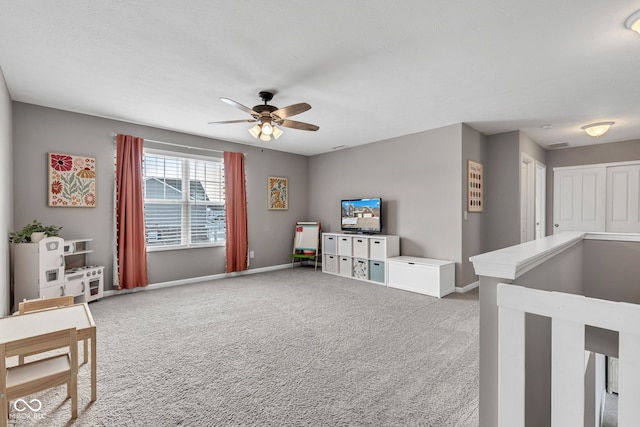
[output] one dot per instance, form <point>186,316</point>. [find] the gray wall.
<point>474,147</point>
<point>502,196</point>
<point>502,191</point>
<point>587,155</point>
<point>530,147</point>
<point>39,130</point>
<point>611,270</point>
<point>6,190</point>
<point>419,178</point>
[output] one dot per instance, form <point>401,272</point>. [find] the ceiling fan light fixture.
<point>268,119</point>
<point>633,22</point>
<point>267,129</point>
<point>277,132</point>
<point>597,129</point>
<point>255,131</point>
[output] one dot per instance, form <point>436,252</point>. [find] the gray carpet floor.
<point>291,347</point>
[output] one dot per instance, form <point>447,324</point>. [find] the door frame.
<point>541,200</point>
<point>527,197</point>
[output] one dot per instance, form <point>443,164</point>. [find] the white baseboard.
<point>467,288</point>
<point>191,280</point>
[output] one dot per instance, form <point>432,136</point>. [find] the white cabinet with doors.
<point>623,215</point>
<point>603,197</point>
<point>579,196</point>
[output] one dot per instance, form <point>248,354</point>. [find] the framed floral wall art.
<point>278,193</point>
<point>72,180</point>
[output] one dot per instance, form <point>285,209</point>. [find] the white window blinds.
<point>183,200</point>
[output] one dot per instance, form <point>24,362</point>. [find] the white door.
<point>579,199</point>
<point>622,199</point>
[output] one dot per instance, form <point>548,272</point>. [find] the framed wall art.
<point>72,180</point>
<point>278,193</point>
<point>475,187</point>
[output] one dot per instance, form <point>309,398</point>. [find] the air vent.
<point>558,145</point>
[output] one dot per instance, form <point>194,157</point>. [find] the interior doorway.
<point>527,198</point>
<point>532,198</point>
<point>541,197</point>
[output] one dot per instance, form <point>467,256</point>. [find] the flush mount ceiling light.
<point>597,129</point>
<point>633,22</point>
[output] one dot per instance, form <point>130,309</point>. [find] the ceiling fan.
<point>268,117</point>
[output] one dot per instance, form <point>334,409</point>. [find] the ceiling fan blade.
<point>239,106</point>
<point>297,125</point>
<point>232,121</point>
<point>292,110</point>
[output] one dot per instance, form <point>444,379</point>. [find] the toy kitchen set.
<point>56,267</point>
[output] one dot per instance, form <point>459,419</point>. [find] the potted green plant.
<point>34,231</point>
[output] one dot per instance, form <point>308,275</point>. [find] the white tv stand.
<point>359,256</point>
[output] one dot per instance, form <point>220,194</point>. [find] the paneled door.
<point>579,199</point>
<point>623,192</point>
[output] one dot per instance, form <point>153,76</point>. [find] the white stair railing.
<point>569,314</point>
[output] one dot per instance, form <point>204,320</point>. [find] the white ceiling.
<point>371,70</point>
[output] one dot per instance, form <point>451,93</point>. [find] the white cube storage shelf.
<point>359,256</point>
<point>376,259</point>
<point>427,276</point>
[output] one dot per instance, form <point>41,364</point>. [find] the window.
<point>183,200</point>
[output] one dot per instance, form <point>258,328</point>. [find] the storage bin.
<point>345,266</point>
<point>330,244</point>
<point>360,269</point>
<point>344,245</point>
<point>377,249</point>
<point>360,247</point>
<point>330,263</point>
<point>376,271</point>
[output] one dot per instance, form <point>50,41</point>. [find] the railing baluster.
<point>567,374</point>
<point>511,367</point>
<point>569,314</point>
<point>629,380</point>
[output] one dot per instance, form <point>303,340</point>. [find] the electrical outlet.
<point>252,254</point>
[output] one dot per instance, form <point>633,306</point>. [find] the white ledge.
<point>512,262</point>
<point>620,237</point>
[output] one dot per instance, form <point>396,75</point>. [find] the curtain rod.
<point>113,134</point>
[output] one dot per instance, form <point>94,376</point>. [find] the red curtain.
<point>236,207</point>
<point>131,246</point>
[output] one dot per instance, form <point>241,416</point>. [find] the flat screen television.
<point>361,215</point>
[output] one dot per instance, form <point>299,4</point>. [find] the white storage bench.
<point>427,276</point>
